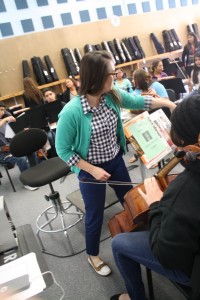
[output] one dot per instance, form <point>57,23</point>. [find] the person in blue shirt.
<point>121,82</point>
<point>144,85</point>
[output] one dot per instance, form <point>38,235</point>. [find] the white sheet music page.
<point>26,264</point>
<point>9,133</point>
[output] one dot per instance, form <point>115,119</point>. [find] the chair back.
<point>27,141</point>
<point>171,94</point>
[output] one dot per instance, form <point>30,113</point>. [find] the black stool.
<point>26,143</point>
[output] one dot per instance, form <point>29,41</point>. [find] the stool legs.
<point>57,210</point>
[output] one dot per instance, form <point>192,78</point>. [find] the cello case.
<point>126,52</point>
<point>77,55</point>
<point>98,47</point>
<point>89,48</point>
<point>196,29</point>
<point>114,52</point>
<point>25,69</point>
<point>51,68</point>
<point>159,47</point>
<point>134,48</point>
<point>37,69</point>
<point>173,32</point>
<point>74,60</point>
<point>137,42</point>
<point>128,47</point>
<point>47,76</point>
<point>107,48</point>
<point>69,64</point>
<point>173,40</point>
<point>119,50</point>
<point>169,46</point>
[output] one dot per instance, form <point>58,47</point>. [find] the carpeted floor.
<point>74,273</point>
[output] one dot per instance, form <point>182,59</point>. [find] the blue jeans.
<point>21,162</point>
<point>131,250</point>
<point>94,199</point>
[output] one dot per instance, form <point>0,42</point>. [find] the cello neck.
<point>162,173</point>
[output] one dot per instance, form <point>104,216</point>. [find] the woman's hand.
<point>153,191</point>
<point>10,119</point>
<point>99,174</point>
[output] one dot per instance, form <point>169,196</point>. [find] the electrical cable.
<point>70,255</point>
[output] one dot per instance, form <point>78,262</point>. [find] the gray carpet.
<point>74,273</point>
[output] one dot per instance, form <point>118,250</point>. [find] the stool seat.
<point>45,172</point>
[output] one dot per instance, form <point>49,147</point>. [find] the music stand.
<point>175,84</point>
<point>52,109</point>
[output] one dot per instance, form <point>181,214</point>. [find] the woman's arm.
<point>96,172</point>
<point>6,120</point>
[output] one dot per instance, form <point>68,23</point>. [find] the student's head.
<point>2,109</point>
<point>185,124</point>
<point>49,95</point>
<point>157,66</point>
<point>119,73</point>
<point>70,82</point>
<point>96,73</point>
<point>192,38</point>
<point>197,59</point>
<point>141,79</point>
<point>28,83</point>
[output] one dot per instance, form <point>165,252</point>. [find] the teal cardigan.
<point>74,129</point>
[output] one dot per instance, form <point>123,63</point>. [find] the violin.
<point>135,213</point>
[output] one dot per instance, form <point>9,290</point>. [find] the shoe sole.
<point>98,272</point>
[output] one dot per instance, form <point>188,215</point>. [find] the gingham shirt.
<point>103,144</point>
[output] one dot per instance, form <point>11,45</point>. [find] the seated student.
<point>32,95</point>
<point>121,82</point>
<point>195,74</point>
<point>171,245</point>
<point>5,155</point>
<point>157,70</point>
<point>145,85</point>
<point>50,96</point>
<point>71,91</point>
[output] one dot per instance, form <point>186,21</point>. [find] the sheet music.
<point>9,133</point>
<point>26,264</point>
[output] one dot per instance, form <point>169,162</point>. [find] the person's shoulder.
<point>72,105</point>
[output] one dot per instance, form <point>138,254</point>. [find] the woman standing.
<point>90,138</point>
<point>71,91</point>
<point>121,82</point>
<point>192,46</point>
<point>32,95</point>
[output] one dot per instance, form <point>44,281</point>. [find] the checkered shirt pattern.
<point>103,144</point>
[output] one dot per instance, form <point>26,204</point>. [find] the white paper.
<point>9,133</point>
<point>26,264</point>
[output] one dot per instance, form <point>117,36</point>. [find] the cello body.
<point>135,213</point>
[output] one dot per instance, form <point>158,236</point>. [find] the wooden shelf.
<point>131,63</point>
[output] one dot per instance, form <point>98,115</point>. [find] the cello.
<point>135,213</point>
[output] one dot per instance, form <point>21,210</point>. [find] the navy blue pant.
<point>94,199</point>
<point>131,250</point>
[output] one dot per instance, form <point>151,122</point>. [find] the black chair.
<point>25,143</point>
<point>7,167</point>
<point>171,95</point>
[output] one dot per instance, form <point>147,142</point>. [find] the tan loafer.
<point>102,269</point>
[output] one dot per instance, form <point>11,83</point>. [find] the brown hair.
<point>31,91</point>
<point>142,79</point>
<point>94,70</point>
<point>155,64</point>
